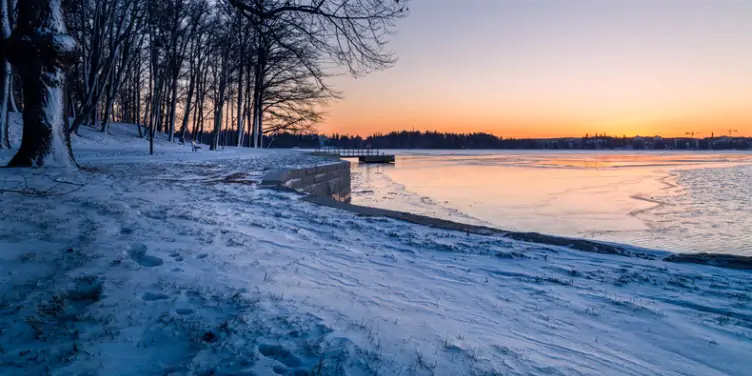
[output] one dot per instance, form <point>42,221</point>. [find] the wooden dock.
<point>363,155</point>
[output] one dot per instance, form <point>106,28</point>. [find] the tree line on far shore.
<point>440,140</point>
<point>181,68</point>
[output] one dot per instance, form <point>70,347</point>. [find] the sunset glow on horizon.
<point>548,68</point>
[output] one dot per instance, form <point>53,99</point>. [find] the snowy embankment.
<point>175,264</point>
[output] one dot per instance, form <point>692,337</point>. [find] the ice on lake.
<point>684,202</point>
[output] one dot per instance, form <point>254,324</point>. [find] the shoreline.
<point>721,260</point>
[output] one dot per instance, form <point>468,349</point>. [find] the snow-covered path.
<point>158,268</point>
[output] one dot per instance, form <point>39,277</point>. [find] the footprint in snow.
<point>183,311</point>
<point>152,296</point>
<point>280,354</point>
<point>137,252</point>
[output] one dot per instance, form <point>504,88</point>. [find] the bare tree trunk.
<point>247,108</point>
<point>229,122</point>
<point>154,118</point>
<point>260,122</point>
<point>173,102</point>
<point>156,107</point>
<point>137,89</point>
<point>43,49</point>
<point>220,102</point>
<point>240,95</point>
<point>187,110</point>
<point>257,77</point>
<point>165,107</point>
<point>108,101</point>
<point>154,88</point>
<point>199,102</point>
<point>258,110</point>
<point>201,121</point>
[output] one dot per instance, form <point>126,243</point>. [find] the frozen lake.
<point>697,202</point>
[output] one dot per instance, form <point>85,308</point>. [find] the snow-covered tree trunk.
<point>42,49</point>
<point>12,98</point>
<point>187,110</point>
<point>5,75</point>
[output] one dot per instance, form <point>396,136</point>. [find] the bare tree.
<point>101,28</point>
<point>290,83</point>
<point>221,72</point>
<point>124,50</point>
<point>351,33</point>
<point>196,57</point>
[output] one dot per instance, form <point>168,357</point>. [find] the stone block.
<point>323,169</point>
<point>322,177</point>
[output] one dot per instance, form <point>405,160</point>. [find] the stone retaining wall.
<point>330,180</point>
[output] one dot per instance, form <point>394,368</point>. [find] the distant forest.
<point>439,140</point>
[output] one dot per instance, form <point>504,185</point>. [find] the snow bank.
<point>153,265</point>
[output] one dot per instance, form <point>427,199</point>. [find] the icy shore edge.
<point>585,245</point>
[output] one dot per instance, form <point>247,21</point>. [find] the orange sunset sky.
<point>551,68</point>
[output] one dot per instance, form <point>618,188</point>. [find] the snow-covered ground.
<point>179,264</point>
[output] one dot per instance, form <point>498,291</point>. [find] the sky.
<point>555,68</point>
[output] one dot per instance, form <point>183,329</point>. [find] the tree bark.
<point>173,102</point>
<point>256,100</point>
<point>137,89</point>
<point>221,99</point>
<point>187,109</point>
<point>260,122</point>
<point>199,101</point>
<point>109,99</point>
<point>42,50</point>
<point>12,97</point>
<point>5,75</point>
<point>240,93</point>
